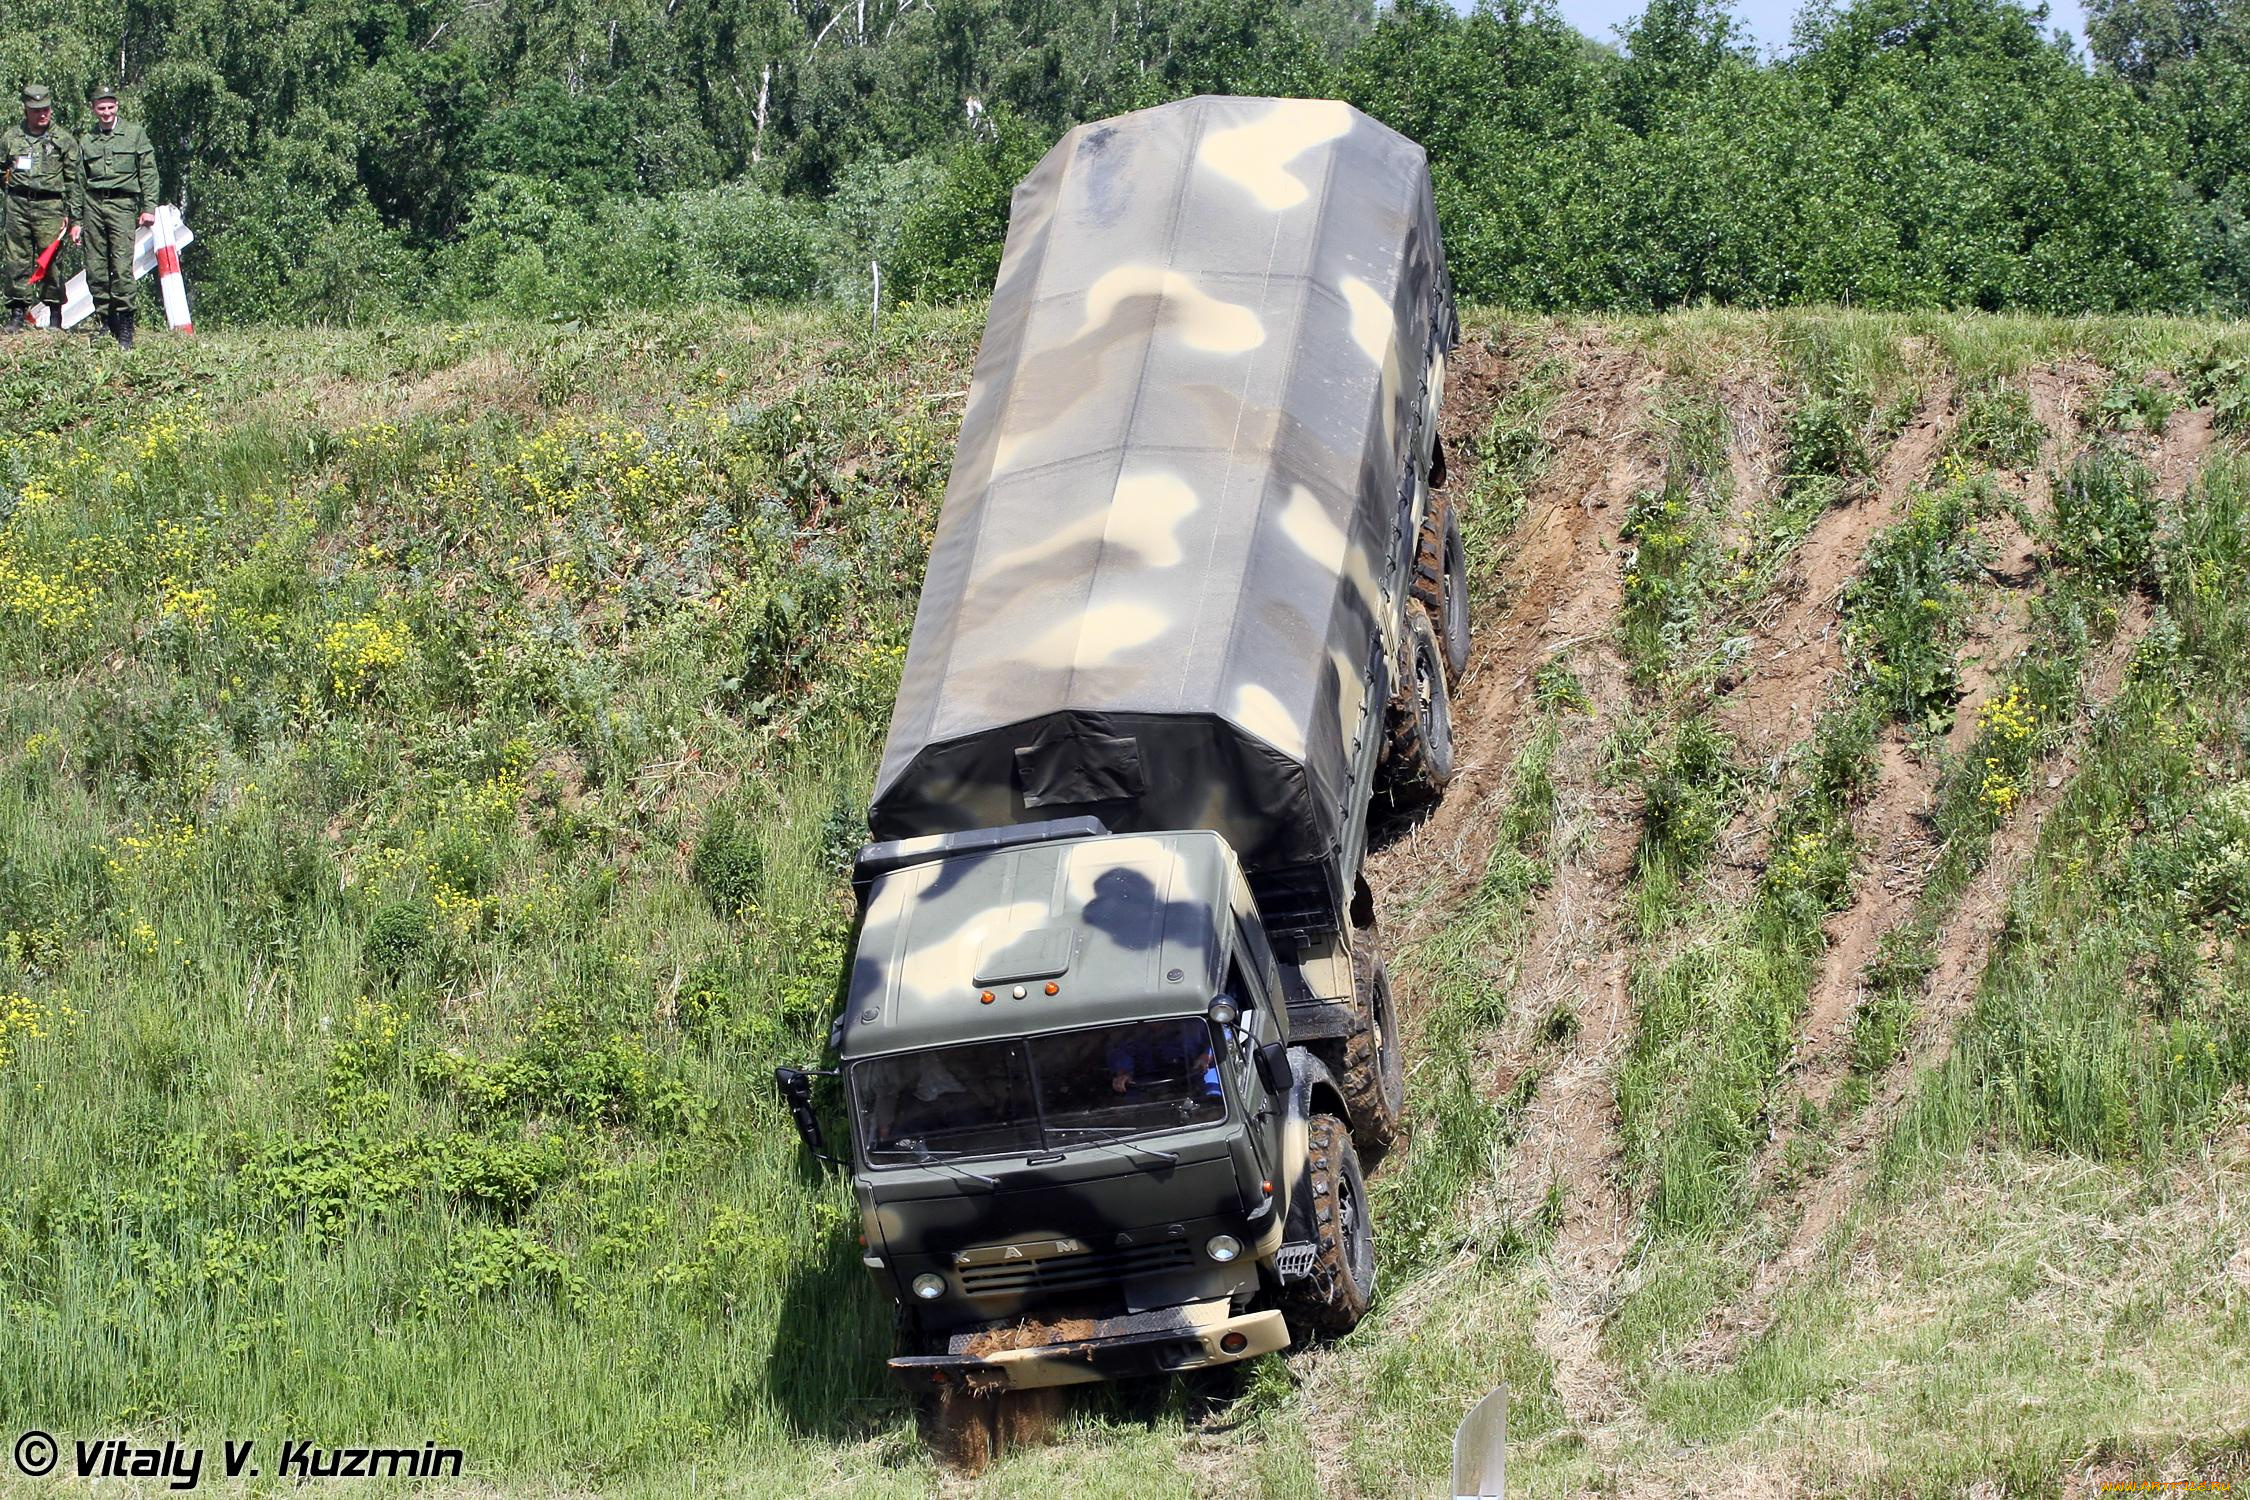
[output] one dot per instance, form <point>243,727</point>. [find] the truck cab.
<point>1078,1129</point>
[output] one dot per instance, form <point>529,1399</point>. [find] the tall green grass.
<point>2112,1019</point>
<point>422,836</point>
<point>426,762</point>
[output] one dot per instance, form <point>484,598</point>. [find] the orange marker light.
<point>1054,989</point>
<point>985,998</point>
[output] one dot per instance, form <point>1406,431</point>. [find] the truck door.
<point>1259,1026</point>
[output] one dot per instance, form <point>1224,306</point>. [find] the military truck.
<point>1117,1037</point>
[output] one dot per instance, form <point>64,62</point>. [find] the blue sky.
<point>1769,20</point>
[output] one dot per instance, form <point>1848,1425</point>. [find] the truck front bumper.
<point>1030,1355</point>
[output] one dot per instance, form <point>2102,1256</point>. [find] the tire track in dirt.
<point>1965,937</point>
<point>1571,956</point>
<point>1571,1142</point>
<point>1562,592</point>
<point>1964,943</point>
<point>1795,652</point>
<point>1894,828</point>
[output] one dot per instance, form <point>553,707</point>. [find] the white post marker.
<point>1480,1450</point>
<point>168,277</point>
<point>144,243</point>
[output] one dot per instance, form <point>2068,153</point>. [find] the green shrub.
<point>2224,386</point>
<point>2133,404</point>
<point>1687,792</point>
<point>730,863</point>
<point>1999,427</point>
<point>949,245</point>
<point>1903,610</point>
<point>401,937</point>
<point>1825,438</point>
<point>2104,522</point>
<point>1665,575</point>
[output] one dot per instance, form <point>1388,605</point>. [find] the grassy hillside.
<point>428,759</point>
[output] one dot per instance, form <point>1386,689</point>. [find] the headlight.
<point>1223,1248</point>
<point>1224,1012</point>
<point>928,1287</point>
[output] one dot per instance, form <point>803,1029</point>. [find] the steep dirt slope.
<point>1560,600</point>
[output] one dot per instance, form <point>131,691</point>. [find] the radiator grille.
<point>1063,1273</point>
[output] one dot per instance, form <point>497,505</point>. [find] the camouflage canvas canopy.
<point>1158,582</point>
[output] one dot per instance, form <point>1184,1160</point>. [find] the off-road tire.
<point>1337,1292</point>
<point>1441,580</point>
<point>1374,1063</point>
<point>1418,760</point>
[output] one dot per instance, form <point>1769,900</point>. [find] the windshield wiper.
<point>925,1157</point>
<point>1115,1135</point>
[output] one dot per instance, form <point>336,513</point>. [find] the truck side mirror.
<point>1272,1063</point>
<point>796,1092</point>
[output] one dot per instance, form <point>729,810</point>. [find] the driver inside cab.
<point>1148,1056</point>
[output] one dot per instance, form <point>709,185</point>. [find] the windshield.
<point>1039,1093</point>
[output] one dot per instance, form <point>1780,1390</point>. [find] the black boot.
<point>17,321</point>
<point>124,329</point>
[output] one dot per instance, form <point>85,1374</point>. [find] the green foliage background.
<point>346,162</point>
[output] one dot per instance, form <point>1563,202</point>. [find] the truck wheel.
<point>1374,1061</point>
<point>1441,580</point>
<point>1420,759</point>
<point>1336,1293</point>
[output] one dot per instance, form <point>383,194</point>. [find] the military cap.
<point>106,91</point>
<point>38,96</point>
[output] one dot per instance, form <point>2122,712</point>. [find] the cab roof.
<point>1125,927</point>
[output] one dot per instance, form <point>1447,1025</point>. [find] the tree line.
<point>349,161</point>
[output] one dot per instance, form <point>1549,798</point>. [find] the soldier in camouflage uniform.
<point>117,167</point>
<point>45,198</point>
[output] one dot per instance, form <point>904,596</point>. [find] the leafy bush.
<point>730,863</point>
<point>2104,523</point>
<point>525,249</point>
<point>1665,573</point>
<point>1825,438</point>
<point>1686,794</point>
<point>401,936</point>
<point>2224,386</point>
<point>949,245</point>
<point>2133,403</point>
<point>1903,610</point>
<point>1999,427</point>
